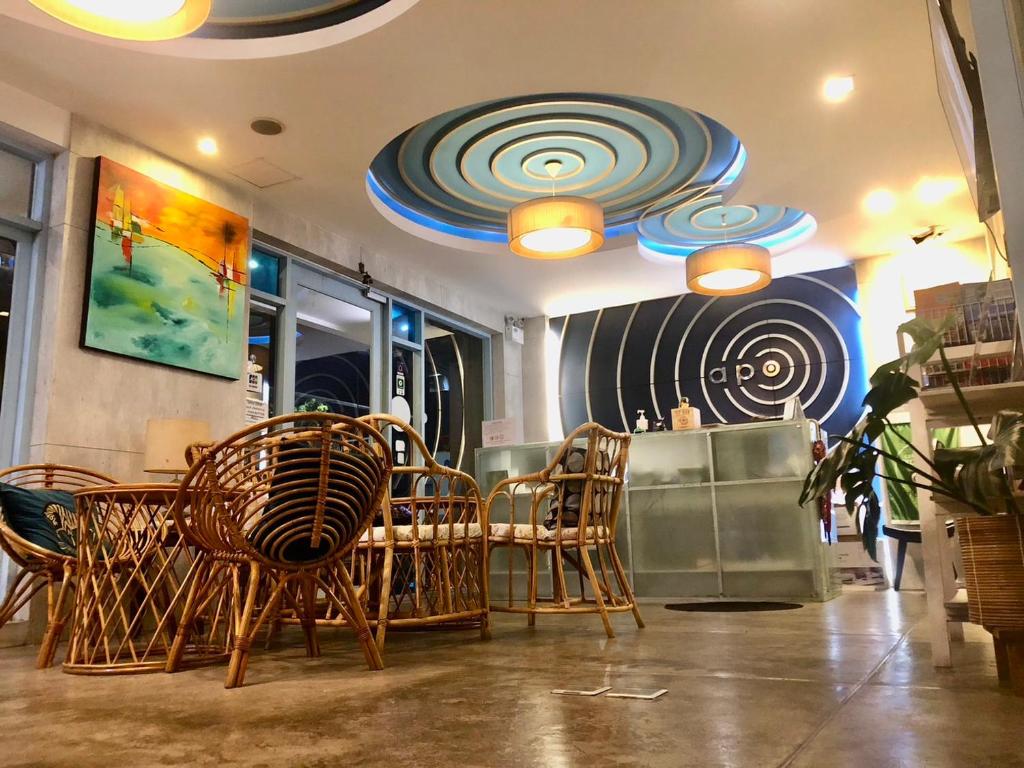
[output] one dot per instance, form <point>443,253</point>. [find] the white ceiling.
<point>755,65</point>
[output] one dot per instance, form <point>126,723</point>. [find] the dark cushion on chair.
<point>41,517</point>
<point>284,532</point>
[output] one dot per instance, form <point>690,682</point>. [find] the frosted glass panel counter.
<point>709,512</point>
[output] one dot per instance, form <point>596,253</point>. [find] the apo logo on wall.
<point>736,358</point>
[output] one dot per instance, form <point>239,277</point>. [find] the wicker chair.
<point>585,479</point>
<point>269,510</point>
<point>40,567</point>
<point>425,560</point>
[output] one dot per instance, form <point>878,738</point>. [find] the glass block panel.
<point>265,272</point>
<point>763,531</point>
<point>758,454</point>
<point>16,176</point>
<point>673,541</point>
<point>664,458</point>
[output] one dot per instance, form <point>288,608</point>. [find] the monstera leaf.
<point>927,336</point>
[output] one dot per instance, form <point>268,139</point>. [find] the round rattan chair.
<point>42,567</point>
<point>269,509</point>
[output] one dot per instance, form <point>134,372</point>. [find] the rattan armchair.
<point>578,494</point>
<point>425,559</point>
<point>41,567</point>
<point>269,510</point>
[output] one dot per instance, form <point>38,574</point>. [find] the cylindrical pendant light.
<point>728,269</point>
<point>558,227</point>
<point>130,19</point>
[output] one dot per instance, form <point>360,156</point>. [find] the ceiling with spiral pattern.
<point>272,18</point>
<point>652,165</point>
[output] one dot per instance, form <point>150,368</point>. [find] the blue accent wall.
<point>736,358</point>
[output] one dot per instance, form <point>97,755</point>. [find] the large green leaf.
<point>1007,439</point>
<point>927,336</point>
<point>891,389</point>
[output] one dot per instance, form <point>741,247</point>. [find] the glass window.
<point>332,354</point>
<point>265,272</point>
<point>16,176</point>
<point>454,397</point>
<point>262,346</point>
<point>7,250</point>
<point>403,323</point>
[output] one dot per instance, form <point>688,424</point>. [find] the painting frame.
<point>166,277</point>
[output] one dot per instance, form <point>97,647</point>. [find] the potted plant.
<point>981,478</point>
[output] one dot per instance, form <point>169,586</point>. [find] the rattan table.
<point>133,574</point>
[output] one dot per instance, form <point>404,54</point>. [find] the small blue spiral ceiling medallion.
<point>672,230</point>
<point>656,169</point>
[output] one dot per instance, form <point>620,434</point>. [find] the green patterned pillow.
<point>45,518</point>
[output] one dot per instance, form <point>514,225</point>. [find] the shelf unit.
<point>708,512</point>
<point>938,408</point>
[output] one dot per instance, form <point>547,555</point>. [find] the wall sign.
<point>736,358</point>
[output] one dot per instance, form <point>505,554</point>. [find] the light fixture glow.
<point>557,227</point>
<point>879,202</point>
<point>728,269</point>
<point>144,20</point>
<point>556,239</point>
<point>207,145</point>
<point>932,191</point>
<point>838,88</point>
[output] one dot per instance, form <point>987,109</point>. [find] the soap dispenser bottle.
<point>641,421</point>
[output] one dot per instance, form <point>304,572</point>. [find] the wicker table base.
<point>134,571</point>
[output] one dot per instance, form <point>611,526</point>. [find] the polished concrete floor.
<point>848,683</point>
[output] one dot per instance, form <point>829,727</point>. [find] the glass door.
<point>336,358</point>
<point>15,309</point>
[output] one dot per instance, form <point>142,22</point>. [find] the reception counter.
<point>708,512</point>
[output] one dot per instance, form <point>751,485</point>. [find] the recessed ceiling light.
<point>932,191</point>
<point>838,88</point>
<point>266,126</point>
<point>207,145</point>
<point>879,202</point>
<point>130,19</point>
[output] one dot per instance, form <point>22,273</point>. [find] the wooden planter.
<point>993,556</point>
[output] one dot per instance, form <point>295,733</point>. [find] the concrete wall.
<point>91,408</point>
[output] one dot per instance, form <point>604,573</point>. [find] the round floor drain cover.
<point>732,606</point>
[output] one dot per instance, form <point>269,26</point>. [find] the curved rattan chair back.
<point>429,493</point>
<point>587,475</point>
<point>293,492</point>
<point>56,477</point>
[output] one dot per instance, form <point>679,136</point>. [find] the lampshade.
<point>728,269</point>
<point>130,19</point>
<point>558,227</point>
<point>166,441</point>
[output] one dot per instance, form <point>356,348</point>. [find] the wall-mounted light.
<point>130,19</point>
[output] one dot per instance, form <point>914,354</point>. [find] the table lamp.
<point>166,441</point>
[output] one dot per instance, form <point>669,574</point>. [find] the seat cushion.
<point>42,517</point>
<point>526,532</point>
<point>426,532</point>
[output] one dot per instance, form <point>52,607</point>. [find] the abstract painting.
<point>167,275</point>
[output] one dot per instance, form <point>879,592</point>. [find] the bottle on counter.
<point>641,421</point>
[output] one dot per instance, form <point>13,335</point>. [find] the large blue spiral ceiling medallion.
<point>659,171</point>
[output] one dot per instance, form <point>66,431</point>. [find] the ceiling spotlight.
<point>838,88</point>
<point>879,202</point>
<point>267,126</point>
<point>130,19</point>
<point>932,191</point>
<point>207,145</point>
